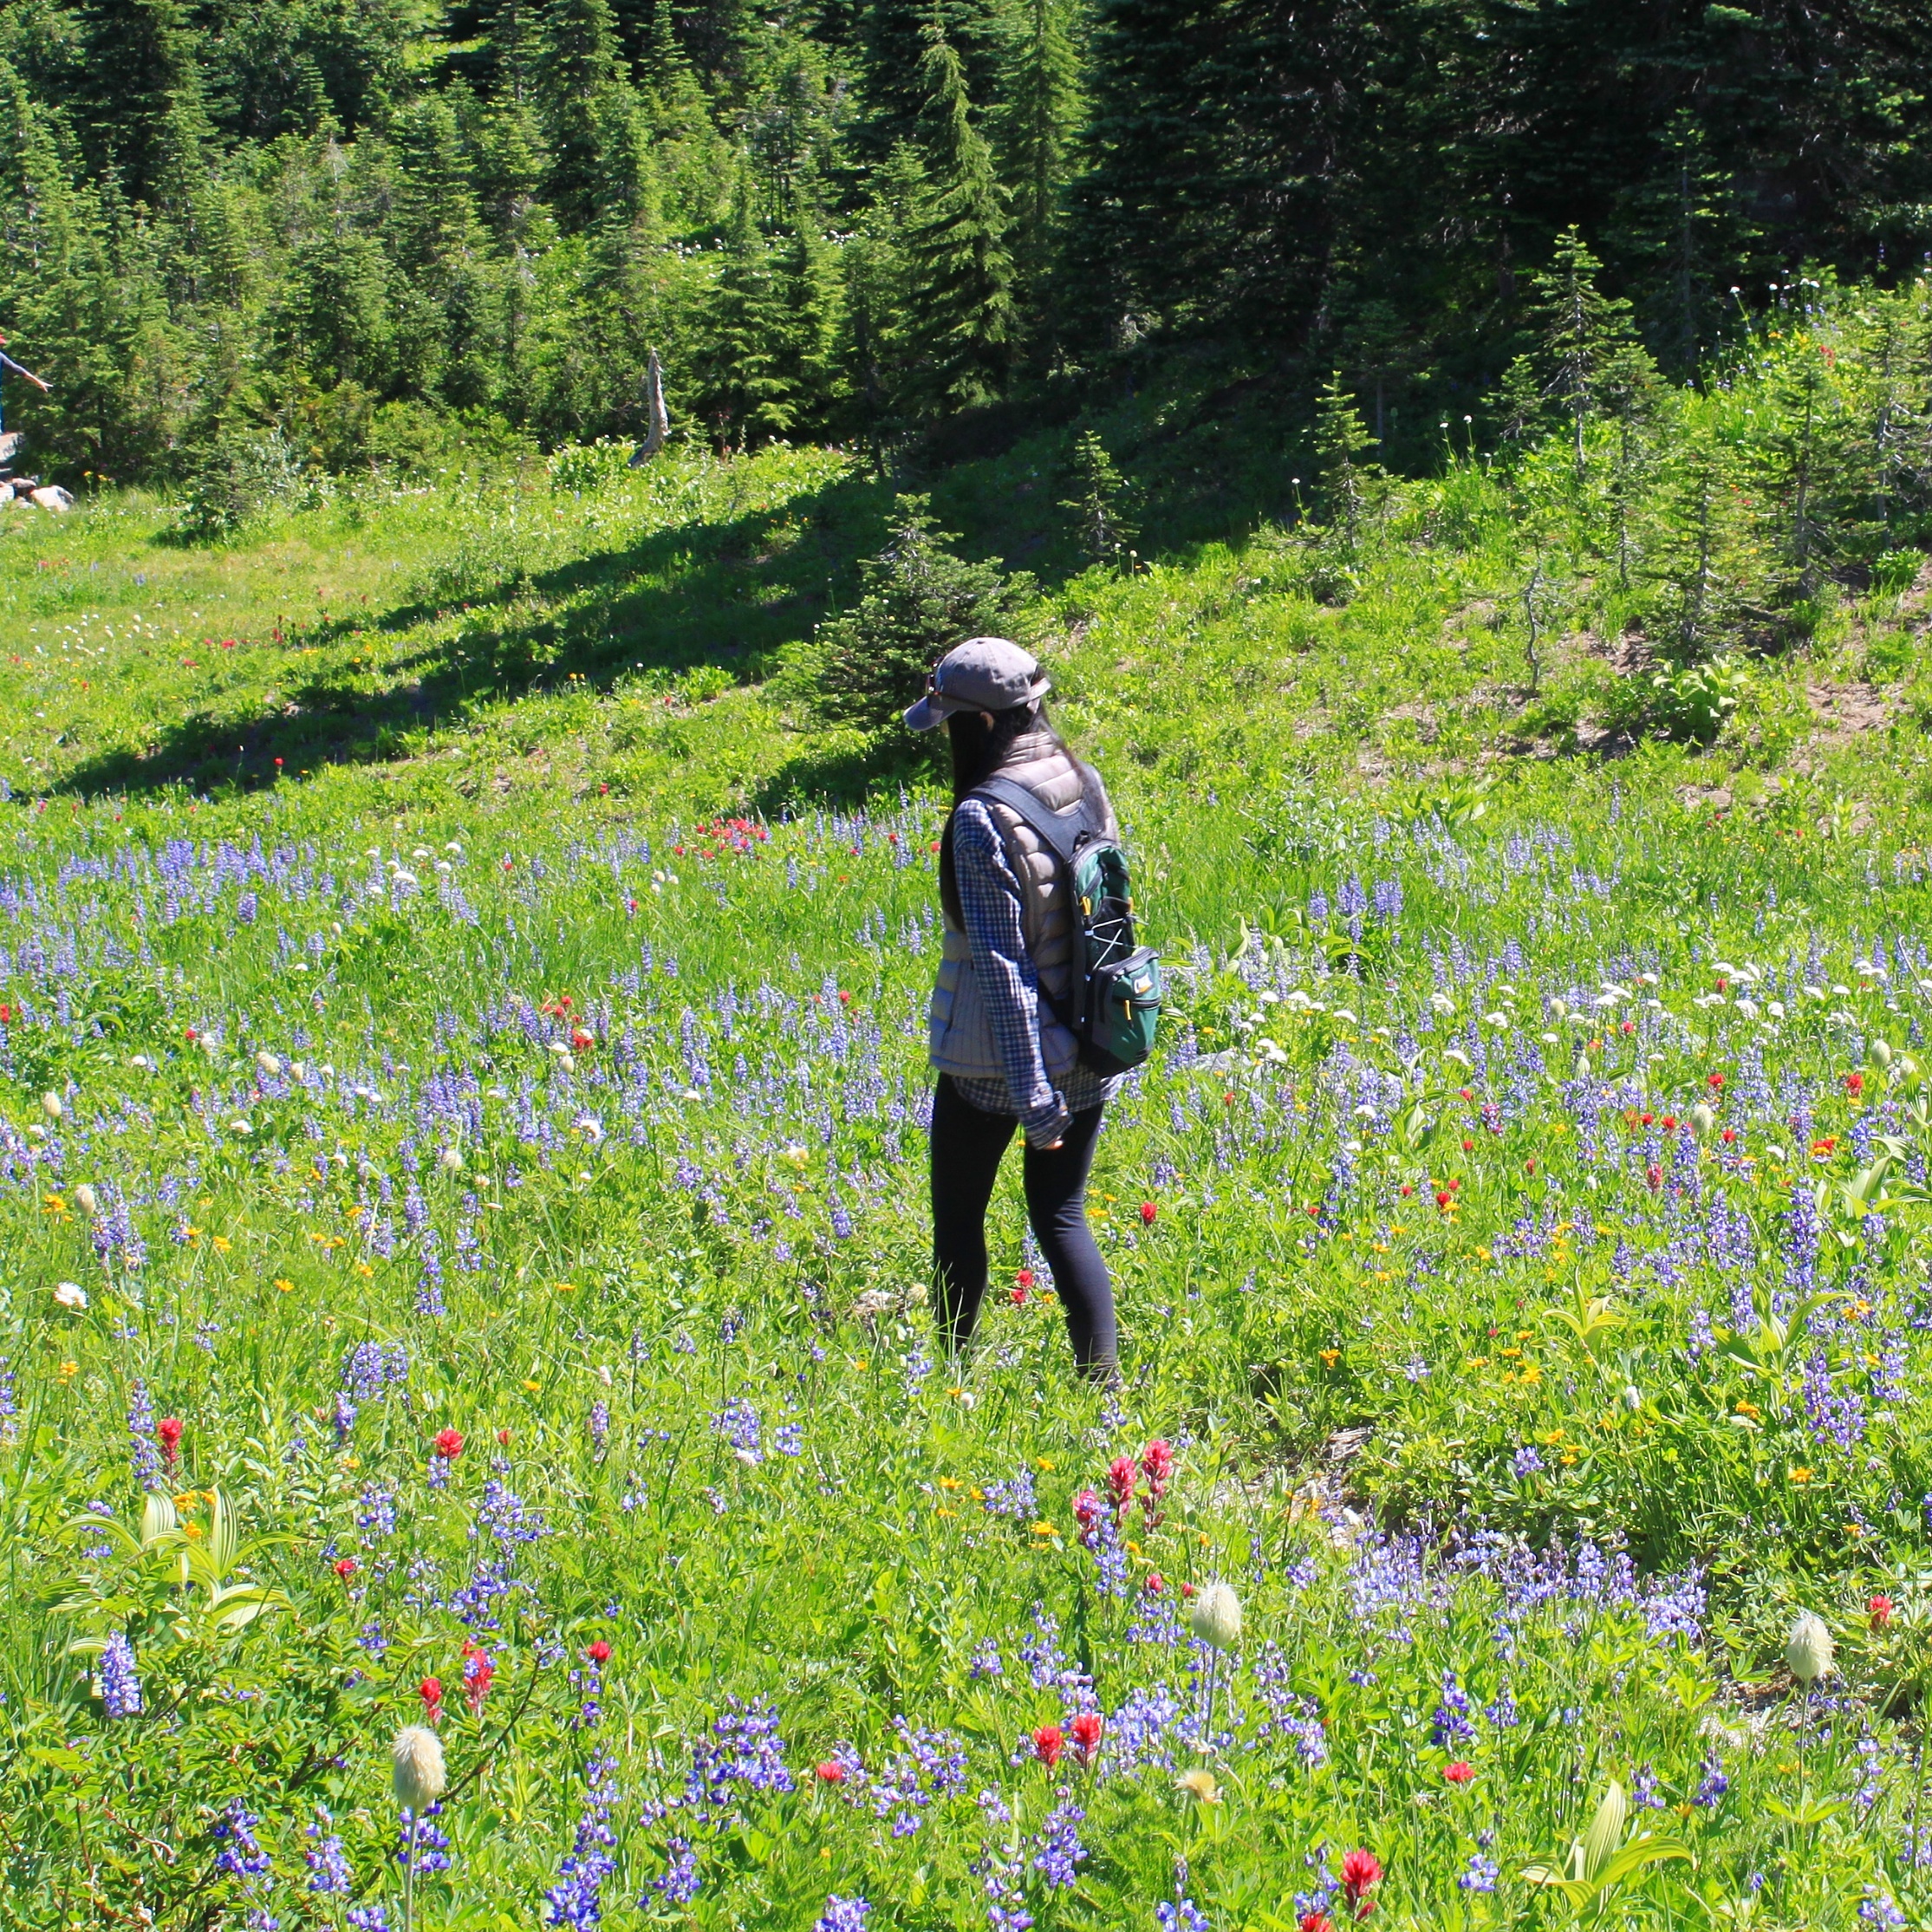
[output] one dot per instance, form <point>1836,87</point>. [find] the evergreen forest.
<point>326,235</point>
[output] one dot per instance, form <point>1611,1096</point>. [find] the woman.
<point>1002,1054</point>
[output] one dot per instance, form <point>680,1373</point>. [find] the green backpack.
<point>1116,984</point>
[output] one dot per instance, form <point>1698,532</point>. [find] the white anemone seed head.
<point>1216,1617</point>
<point>1703,1120</point>
<point>416,1768</point>
<point>50,1105</point>
<point>84,1200</point>
<point>70,1294</point>
<point>269,1064</point>
<point>1808,1649</point>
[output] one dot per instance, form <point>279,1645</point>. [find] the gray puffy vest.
<point>959,1033</point>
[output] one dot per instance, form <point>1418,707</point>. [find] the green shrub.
<point>580,467</point>
<point>917,600</point>
<point>244,473</point>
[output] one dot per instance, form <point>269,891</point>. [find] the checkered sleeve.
<point>990,903</point>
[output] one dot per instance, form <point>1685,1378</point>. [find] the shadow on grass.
<point>729,594</point>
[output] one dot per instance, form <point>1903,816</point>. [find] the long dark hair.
<point>979,749</point>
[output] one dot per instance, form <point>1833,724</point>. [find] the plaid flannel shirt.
<point>990,904</point>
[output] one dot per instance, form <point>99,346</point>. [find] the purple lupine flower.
<point>1451,1722</point>
<point>600,1426</point>
<point>1481,1875</point>
<point>1801,1237</point>
<point>121,1684</point>
<point>329,1871</point>
<point>1714,1785</point>
<point>737,1423</point>
<point>421,1844</point>
<point>1180,1914</point>
<point>985,1662</point>
<point>576,1898</point>
<point>1015,1499</point>
<point>677,1884</point>
<point>1060,1852</point>
<point>1139,1733</point>
<point>1526,1462</point>
<point>375,1514</point>
<point>140,1434</point>
<point>503,1513</point>
<point>744,1751</point>
<point>9,1409</point>
<point>241,1854</point>
<point>844,1915</point>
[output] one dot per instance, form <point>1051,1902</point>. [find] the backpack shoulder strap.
<point>1061,832</point>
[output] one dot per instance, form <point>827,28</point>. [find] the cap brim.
<point>931,711</point>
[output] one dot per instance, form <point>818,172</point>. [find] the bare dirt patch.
<point>1844,710</point>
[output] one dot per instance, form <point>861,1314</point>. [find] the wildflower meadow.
<point>469,1275</point>
<point>474,1448</point>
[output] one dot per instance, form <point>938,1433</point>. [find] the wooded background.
<point>384,230</point>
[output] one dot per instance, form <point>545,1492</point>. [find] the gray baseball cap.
<point>984,673</point>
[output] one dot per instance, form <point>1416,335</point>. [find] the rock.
<point>52,497</point>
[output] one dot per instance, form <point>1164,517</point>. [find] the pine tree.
<point>577,75</point>
<point>511,167</point>
<point>961,295</point>
<point>1631,393</point>
<point>1706,566</point>
<point>1378,348</point>
<point>917,600</point>
<point>434,221</point>
<point>140,107</point>
<point>446,299</point>
<point>333,316</point>
<point>1812,466</point>
<point>745,391</point>
<point>808,299</point>
<point>1099,501</point>
<point>1037,133</point>
<point>895,86</point>
<point>873,354</point>
<point>1581,329</point>
<point>1341,441</point>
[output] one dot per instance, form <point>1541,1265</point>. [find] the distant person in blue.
<point>9,366</point>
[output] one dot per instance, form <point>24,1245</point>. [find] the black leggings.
<point>968,1143</point>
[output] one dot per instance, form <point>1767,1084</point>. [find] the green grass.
<point>1405,1273</point>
